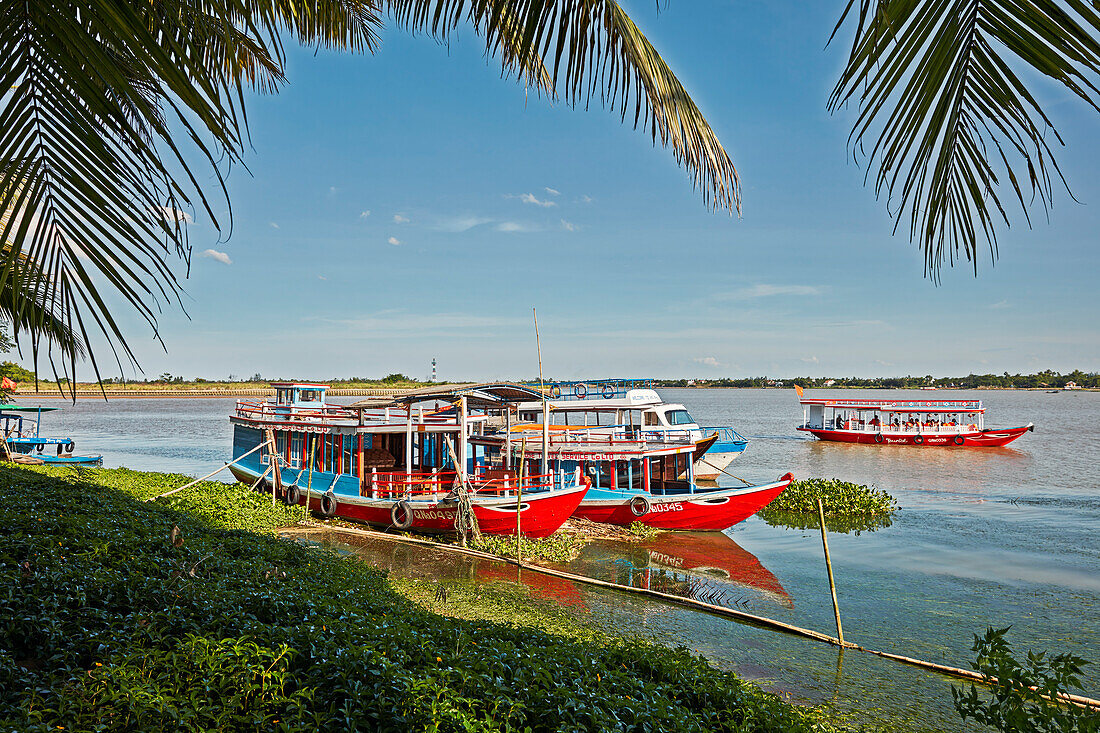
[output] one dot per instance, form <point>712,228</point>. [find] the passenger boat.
<point>940,423</point>
<point>391,463</point>
<point>630,409</point>
<point>635,480</point>
<point>26,444</point>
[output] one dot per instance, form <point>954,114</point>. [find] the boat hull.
<point>541,513</point>
<point>706,510</point>
<point>988,438</point>
<point>711,465</point>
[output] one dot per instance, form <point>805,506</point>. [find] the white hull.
<point>711,464</point>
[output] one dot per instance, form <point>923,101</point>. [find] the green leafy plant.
<point>555,548</point>
<point>1021,696</point>
<point>839,499</point>
<point>128,615</point>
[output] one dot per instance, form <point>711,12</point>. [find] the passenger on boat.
<point>875,422</point>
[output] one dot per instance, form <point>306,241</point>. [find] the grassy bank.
<point>112,625</point>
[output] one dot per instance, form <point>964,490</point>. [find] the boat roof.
<point>307,385</point>
<point>899,405</point>
<point>483,394</point>
<point>24,408</point>
<point>634,399</point>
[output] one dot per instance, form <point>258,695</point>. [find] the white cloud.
<point>552,191</point>
<point>462,223</point>
<point>332,190</point>
<point>710,361</point>
<point>322,277</point>
<point>849,324</point>
<point>214,254</point>
<point>273,225</point>
<point>568,226</point>
<point>394,241</point>
<point>763,290</point>
<point>529,198</point>
<point>1000,304</point>
<point>513,227</point>
<point>364,214</point>
<point>810,360</point>
<point>398,219</point>
<point>174,214</point>
<point>587,199</point>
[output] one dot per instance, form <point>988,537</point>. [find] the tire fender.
<point>328,504</point>
<point>401,515</point>
<point>639,505</point>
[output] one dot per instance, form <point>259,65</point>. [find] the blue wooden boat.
<point>24,438</point>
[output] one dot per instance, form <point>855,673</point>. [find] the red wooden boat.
<point>381,462</point>
<point>938,423</point>
<point>637,480</point>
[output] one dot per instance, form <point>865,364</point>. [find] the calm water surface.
<point>985,537</point>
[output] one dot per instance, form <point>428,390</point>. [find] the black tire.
<point>328,504</point>
<point>293,495</point>
<point>39,447</point>
<point>959,440</point>
<point>59,447</point>
<point>401,515</point>
<point>639,505</point>
<point>918,439</point>
<point>878,437</point>
<point>70,446</point>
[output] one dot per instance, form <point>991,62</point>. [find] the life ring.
<point>555,392</point>
<point>918,439</point>
<point>878,437</point>
<point>608,391</point>
<point>328,504</point>
<point>959,440</point>
<point>293,495</point>
<point>580,390</point>
<point>401,515</point>
<point>639,505</point>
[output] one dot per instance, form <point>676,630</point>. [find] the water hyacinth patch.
<point>172,615</point>
<point>839,499</point>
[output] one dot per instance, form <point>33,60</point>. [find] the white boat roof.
<point>635,399</point>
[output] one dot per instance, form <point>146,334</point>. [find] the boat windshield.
<point>679,417</point>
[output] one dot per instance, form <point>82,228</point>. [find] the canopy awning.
<point>24,408</point>
<point>478,395</point>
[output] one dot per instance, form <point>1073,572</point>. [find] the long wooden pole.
<point>203,478</point>
<point>829,568</point>
<point>519,497</point>
<point>545,403</point>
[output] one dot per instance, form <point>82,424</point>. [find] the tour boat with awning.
<point>26,444</point>
<point>939,423</point>
<point>629,408</point>
<point>393,462</point>
<point>633,480</point>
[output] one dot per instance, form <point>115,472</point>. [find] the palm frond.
<point>946,117</point>
<point>95,177</point>
<point>593,51</point>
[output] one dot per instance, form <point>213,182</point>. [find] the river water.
<point>984,537</point>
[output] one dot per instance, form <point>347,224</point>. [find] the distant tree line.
<point>1048,378</point>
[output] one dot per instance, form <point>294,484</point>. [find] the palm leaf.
<point>593,51</point>
<point>946,117</point>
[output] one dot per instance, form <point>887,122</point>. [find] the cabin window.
<point>310,395</point>
<point>651,418</point>
<point>295,451</point>
<point>678,417</point>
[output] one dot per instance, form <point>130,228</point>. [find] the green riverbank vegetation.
<point>1039,380</point>
<point>187,613</point>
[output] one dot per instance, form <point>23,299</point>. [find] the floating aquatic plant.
<point>839,499</point>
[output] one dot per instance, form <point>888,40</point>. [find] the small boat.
<point>636,480</point>
<point>630,409</point>
<point>391,462</point>
<point>939,423</point>
<point>26,444</point>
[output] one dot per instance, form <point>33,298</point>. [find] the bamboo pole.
<point>829,568</point>
<point>203,478</point>
<point>519,498</point>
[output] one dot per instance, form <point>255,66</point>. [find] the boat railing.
<point>484,482</point>
<point>594,388</point>
<point>269,411</point>
<point>725,434</point>
<point>914,428</point>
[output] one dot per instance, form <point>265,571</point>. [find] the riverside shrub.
<point>109,625</point>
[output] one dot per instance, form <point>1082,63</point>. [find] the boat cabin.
<point>893,416</point>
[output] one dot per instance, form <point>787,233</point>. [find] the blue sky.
<point>413,204</point>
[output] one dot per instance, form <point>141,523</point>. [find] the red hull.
<point>541,514</point>
<point>972,439</point>
<point>710,511</point>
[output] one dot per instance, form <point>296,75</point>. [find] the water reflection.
<point>705,566</point>
<point>841,525</point>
